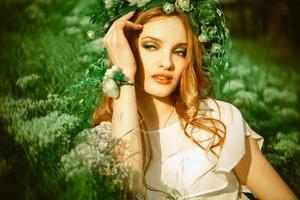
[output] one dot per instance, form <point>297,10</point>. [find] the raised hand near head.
<point>118,47</point>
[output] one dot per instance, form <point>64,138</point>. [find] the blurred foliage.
<point>47,148</point>
<point>268,96</point>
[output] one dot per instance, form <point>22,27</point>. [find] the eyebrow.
<point>158,40</point>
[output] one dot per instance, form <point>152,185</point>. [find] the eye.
<point>149,47</point>
<point>181,52</point>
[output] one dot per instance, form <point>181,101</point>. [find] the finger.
<point>121,24</point>
<point>116,33</point>
<point>131,25</point>
<point>125,17</point>
<point>128,15</point>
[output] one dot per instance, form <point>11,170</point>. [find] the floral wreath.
<point>207,20</point>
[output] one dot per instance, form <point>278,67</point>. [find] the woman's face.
<point>162,46</point>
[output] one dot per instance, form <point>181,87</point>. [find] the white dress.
<point>180,165</point>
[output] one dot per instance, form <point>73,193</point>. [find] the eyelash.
<point>148,46</point>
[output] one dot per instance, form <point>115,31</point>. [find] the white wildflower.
<point>288,112</point>
<point>106,25</point>
<point>94,46</point>
<point>91,34</point>
<point>244,98</point>
<point>234,85</point>
<point>240,71</point>
<point>72,31</point>
<point>71,20</point>
<point>24,82</point>
<point>108,3</point>
<point>85,59</point>
<point>272,94</point>
<point>84,21</point>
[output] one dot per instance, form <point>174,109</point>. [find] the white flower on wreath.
<point>215,47</point>
<point>213,30</point>
<point>142,2</point>
<point>226,32</point>
<point>138,3</point>
<point>111,88</point>
<point>132,2</point>
<point>184,5</point>
<point>108,3</point>
<point>219,12</point>
<point>168,8</point>
<point>203,37</point>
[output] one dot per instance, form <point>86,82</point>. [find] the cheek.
<point>143,60</point>
<point>147,55</point>
<point>147,62</point>
<point>180,67</point>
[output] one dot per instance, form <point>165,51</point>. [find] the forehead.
<point>169,29</point>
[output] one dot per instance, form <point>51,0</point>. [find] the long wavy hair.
<point>193,87</point>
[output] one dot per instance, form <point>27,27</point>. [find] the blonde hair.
<point>194,86</point>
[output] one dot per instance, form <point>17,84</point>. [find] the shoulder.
<point>223,110</point>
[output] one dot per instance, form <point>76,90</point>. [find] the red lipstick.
<point>162,78</point>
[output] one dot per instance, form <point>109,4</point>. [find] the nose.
<point>166,60</point>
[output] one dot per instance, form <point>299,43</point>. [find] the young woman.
<point>183,141</point>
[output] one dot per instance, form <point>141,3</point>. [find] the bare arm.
<point>125,123</point>
<point>260,177</point>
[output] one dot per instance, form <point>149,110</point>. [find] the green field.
<point>47,148</point>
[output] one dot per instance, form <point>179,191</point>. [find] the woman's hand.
<point>118,47</point>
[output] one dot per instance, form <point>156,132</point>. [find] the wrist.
<point>130,79</point>
<point>130,76</point>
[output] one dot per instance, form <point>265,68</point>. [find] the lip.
<point>162,78</point>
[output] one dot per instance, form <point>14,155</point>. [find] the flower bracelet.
<point>113,79</point>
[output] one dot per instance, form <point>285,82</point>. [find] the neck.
<point>156,111</point>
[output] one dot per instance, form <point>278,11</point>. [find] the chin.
<point>159,95</point>
<point>159,92</point>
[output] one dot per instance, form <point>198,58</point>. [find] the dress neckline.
<point>206,106</point>
<point>161,130</point>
